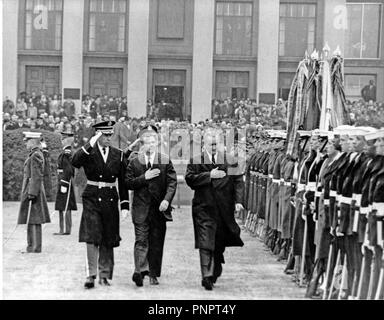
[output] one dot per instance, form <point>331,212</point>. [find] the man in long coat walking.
<point>218,193</point>
<point>104,167</point>
<point>153,180</point>
<point>33,208</point>
<point>65,198</point>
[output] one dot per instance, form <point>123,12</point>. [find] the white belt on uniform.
<point>326,202</point>
<point>332,193</point>
<point>301,187</point>
<point>379,206</point>
<point>346,200</point>
<point>101,184</point>
<point>365,210</point>
<point>287,183</point>
<point>357,198</point>
<point>276,180</point>
<point>270,176</point>
<point>311,186</point>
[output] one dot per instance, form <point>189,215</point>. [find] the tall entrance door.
<point>170,100</point>
<point>169,93</point>
<point>106,81</point>
<point>42,78</point>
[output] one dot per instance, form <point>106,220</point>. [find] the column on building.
<point>202,68</point>
<point>268,51</point>
<point>137,57</point>
<point>72,66</point>
<point>335,24</point>
<point>10,26</point>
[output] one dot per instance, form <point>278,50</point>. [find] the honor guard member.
<point>275,195</point>
<point>271,194</point>
<point>303,148</point>
<point>308,156</point>
<point>322,229</point>
<point>104,167</point>
<point>371,277</point>
<point>47,169</point>
<point>153,180</point>
<point>218,193</point>
<point>33,208</point>
<point>345,200</point>
<point>65,197</point>
<point>377,288</point>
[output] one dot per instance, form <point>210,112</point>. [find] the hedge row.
<point>14,155</point>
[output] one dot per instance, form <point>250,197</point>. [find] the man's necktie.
<point>213,159</point>
<point>149,165</point>
<point>104,150</point>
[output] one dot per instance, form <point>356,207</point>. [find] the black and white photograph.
<point>214,151</point>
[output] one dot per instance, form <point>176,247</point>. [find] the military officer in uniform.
<point>218,193</point>
<point>65,198</point>
<point>33,208</point>
<point>104,167</point>
<point>153,180</point>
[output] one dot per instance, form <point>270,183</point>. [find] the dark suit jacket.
<point>148,194</point>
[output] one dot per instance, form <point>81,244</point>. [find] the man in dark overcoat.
<point>33,208</point>
<point>104,167</point>
<point>65,197</point>
<point>153,180</point>
<point>218,193</point>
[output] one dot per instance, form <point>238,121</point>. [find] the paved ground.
<point>58,272</point>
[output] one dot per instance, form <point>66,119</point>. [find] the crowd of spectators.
<point>54,114</point>
<point>364,113</point>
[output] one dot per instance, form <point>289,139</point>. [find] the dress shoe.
<point>207,283</point>
<point>89,283</point>
<point>58,233</point>
<point>104,282</point>
<point>153,281</point>
<point>217,272</point>
<point>138,279</point>
<point>66,233</point>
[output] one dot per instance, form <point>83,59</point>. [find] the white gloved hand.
<point>124,213</point>
<point>238,207</point>
<point>63,189</point>
<point>163,205</point>
<point>94,139</point>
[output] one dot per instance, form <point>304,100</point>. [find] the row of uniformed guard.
<point>322,210</point>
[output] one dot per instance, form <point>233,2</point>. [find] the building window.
<point>43,24</point>
<point>297,29</point>
<point>233,28</point>
<point>362,37</point>
<point>285,82</point>
<point>107,25</point>
<point>233,84</point>
<point>355,83</point>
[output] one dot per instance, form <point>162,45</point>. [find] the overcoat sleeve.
<point>196,179</point>
<point>37,172</point>
<point>68,171</point>
<point>239,188</point>
<point>132,182</point>
<point>123,191</point>
<point>81,155</point>
<point>171,182</point>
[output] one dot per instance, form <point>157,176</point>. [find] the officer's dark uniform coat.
<point>100,219</point>
<point>33,184</point>
<point>65,201</point>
